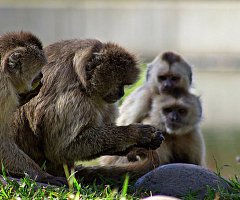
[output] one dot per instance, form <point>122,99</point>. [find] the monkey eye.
<point>162,78</point>
<point>167,110</point>
<point>182,111</point>
<point>175,78</point>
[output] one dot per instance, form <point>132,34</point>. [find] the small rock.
<point>179,180</point>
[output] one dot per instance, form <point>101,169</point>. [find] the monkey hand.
<point>52,180</point>
<point>149,137</point>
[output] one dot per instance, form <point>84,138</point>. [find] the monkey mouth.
<point>27,96</point>
<point>174,125</point>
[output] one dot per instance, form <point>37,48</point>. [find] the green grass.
<point>28,189</point>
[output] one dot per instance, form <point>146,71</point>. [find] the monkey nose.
<point>167,86</point>
<point>174,118</point>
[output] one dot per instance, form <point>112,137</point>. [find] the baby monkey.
<point>167,74</point>
<point>178,117</point>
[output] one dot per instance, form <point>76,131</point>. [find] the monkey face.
<point>168,82</point>
<point>175,116</point>
<point>23,65</point>
<point>104,70</point>
<point>114,95</point>
<point>169,74</point>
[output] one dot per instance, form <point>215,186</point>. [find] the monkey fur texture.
<point>178,118</point>
<point>168,78</point>
<point>22,59</point>
<point>73,116</point>
<point>167,74</point>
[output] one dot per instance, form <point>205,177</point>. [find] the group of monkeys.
<point>59,105</point>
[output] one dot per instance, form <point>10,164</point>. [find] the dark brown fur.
<point>22,58</point>
<point>72,117</point>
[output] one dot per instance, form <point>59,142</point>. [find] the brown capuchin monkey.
<point>73,116</point>
<point>22,59</point>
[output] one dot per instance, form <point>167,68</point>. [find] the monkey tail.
<point>116,173</point>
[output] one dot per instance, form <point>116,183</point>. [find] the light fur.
<point>137,105</point>
<point>183,144</point>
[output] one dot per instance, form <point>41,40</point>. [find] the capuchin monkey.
<point>167,74</point>
<point>22,59</point>
<point>178,117</point>
<point>73,116</point>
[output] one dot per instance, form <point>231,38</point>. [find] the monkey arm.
<point>197,147</point>
<point>17,163</point>
<point>135,107</point>
<point>109,140</point>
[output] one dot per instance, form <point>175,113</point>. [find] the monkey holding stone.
<point>167,74</point>
<point>73,116</point>
<point>178,117</point>
<point>22,59</point>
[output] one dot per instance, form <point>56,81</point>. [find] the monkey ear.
<point>12,60</point>
<point>80,61</point>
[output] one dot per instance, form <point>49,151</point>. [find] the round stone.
<point>179,180</point>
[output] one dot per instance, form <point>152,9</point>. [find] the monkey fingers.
<point>144,134</point>
<point>154,143</point>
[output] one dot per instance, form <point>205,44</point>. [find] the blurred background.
<point>206,33</point>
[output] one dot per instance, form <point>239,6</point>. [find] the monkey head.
<point>169,73</point>
<point>104,69</point>
<point>178,115</point>
<point>22,59</point>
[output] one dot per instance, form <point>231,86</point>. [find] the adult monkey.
<point>22,59</point>
<point>72,117</point>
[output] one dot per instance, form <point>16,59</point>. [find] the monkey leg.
<point>17,163</point>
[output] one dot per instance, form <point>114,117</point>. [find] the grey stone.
<point>179,179</point>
